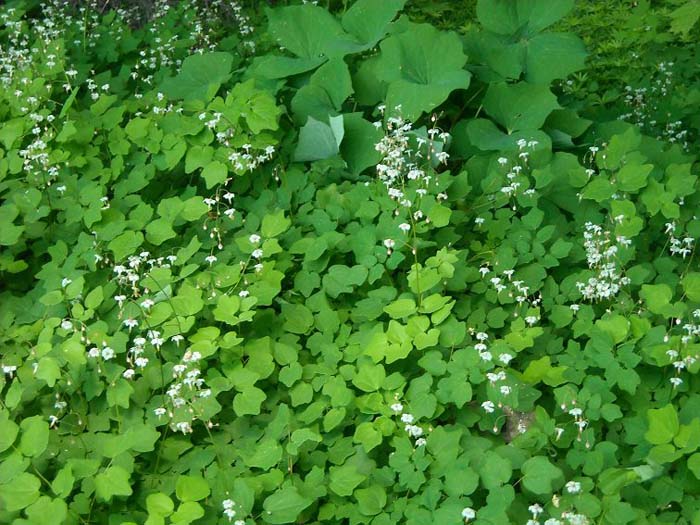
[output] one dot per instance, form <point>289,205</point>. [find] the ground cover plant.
<point>358,262</point>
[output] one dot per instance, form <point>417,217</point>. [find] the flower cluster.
<point>131,273</point>
<point>185,393</point>
<point>406,167</point>
<point>517,178</point>
<point>682,247</point>
<point>408,420</point>
<point>601,254</point>
<point>645,107</point>
<point>230,512</point>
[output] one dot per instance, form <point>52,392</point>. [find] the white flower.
<point>421,442</point>
<point>535,509</point>
<point>107,353</point>
<point>147,303</point>
<point>397,407</point>
<point>676,381</point>
<point>129,373</point>
<point>254,238</point>
<point>131,323</point>
<point>66,324</point>
<point>257,254</point>
<point>243,293</point>
<point>389,243</point>
<point>488,406</point>
<point>65,282</point>
<point>119,298</point>
<point>211,259</point>
<point>505,358</point>
<point>404,227</point>
<point>479,220</point>
<point>407,418</point>
<point>573,487</point>
<point>176,339</point>
<point>468,513</point>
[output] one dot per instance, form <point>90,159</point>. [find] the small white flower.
<point>243,293</point>
<point>176,339</point>
<point>421,442</point>
<point>535,509</point>
<point>120,298</point>
<point>131,323</point>
<point>254,238</point>
<point>573,487</point>
<point>65,282</point>
<point>488,406</point>
<point>389,243</point>
<point>407,418</point>
<point>107,353</point>
<point>505,358</point>
<point>211,259</point>
<point>468,513</point>
<point>129,373</point>
<point>147,303</point>
<point>404,227</point>
<point>66,324</point>
<point>397,407</point>
<point>676,381</point>
<point>257,254</point>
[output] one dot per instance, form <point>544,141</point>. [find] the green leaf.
<point>633,177</point>
<point>371,500</point>
<point>656,296</point>
<point>417,81</point>
<point>307,31</point>
<point>367,435</point>
<point>125,244</point>
<point>298,319</point>
<point>159,231</point>
<point>284,506</point>
<point>358,146</point>
<point>540,476</point>
<point>511,17</point>
<point>8,431</point>
<point>47,511</point>
<point>191,488</point>
<point>274,224</point>
<point>48,370</point>
<point>520,106</point>
<point>691,286</point>
<point>214,173</point>
<point>325,93</point>
<point>368,20</point>
<point>685,17</point>
<point>159,504</point>
<point>369,377</point>
<point>318,140</point>
<point>113,481</point>
<point>248,401</point>
<point>401,308</point>
<point>551,56</point>
<point>344,480</point>
<point>341,279</point>
<point>21,492</point>
<point>663,425</point>
<point>35,436</point>
<point>200,76</point>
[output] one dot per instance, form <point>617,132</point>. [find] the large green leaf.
<point>318,140</point>
<point>663,425</point>
<point>323,96</point>
<point>358,146</point>
<point>520,106</point>
<point>309,32</point>
<point>368,20</point>
<point>553,55</point>
<point>200,77</point>
<point>418,81</point>
<point>520,17</point>
<point>284,506</point>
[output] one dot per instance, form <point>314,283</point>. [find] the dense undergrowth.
<point>360,262</point>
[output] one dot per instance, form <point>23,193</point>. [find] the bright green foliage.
<point>373,262</point>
